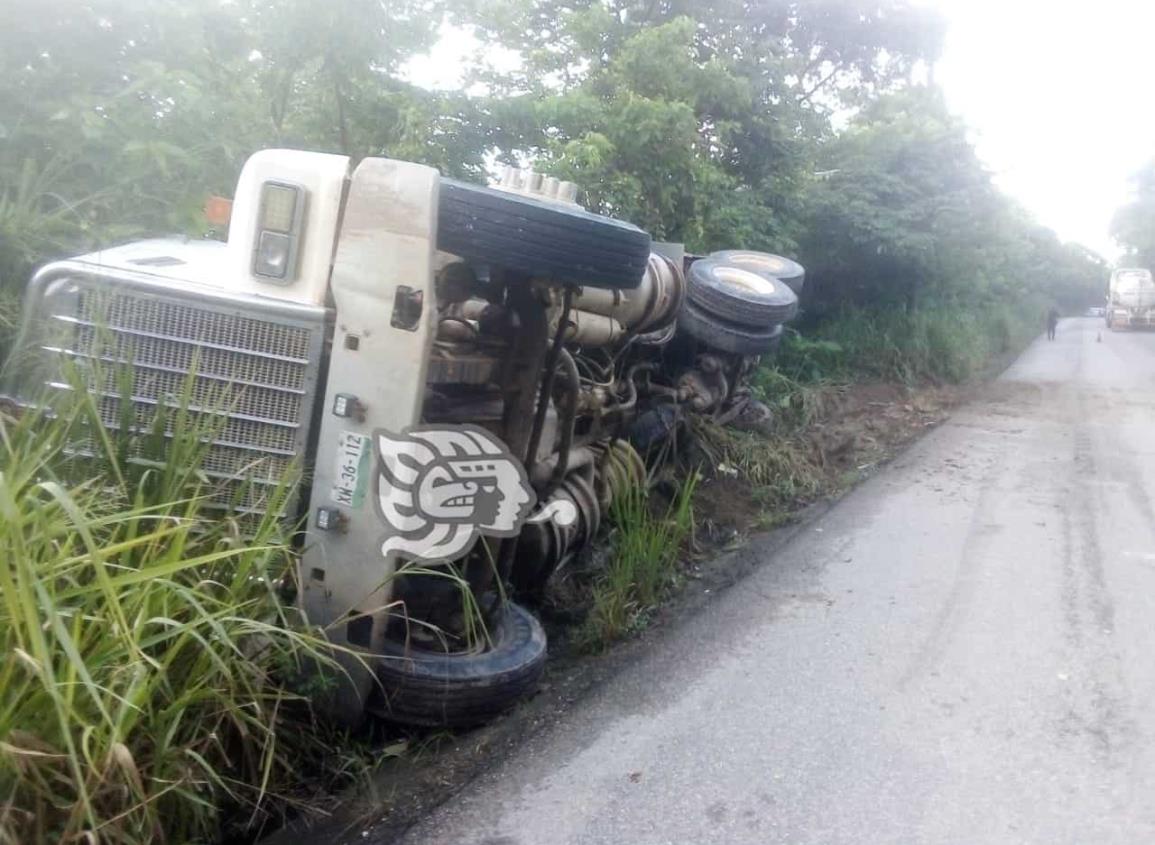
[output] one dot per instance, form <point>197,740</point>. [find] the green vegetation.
<point>937,344</point>
<point>144,692</point>
<point>782,470</point>
<point>708,122</point>
<point>647,546</point>
<point>144,635</point>
<point>906,217</point>
<point>919,269</point>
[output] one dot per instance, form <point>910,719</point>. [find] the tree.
<point>702,121</point>
<point>118,117</point>
<point>696,120</point>
<point>1133,225</point>
<point>906,213</point>
<point>110,116</point>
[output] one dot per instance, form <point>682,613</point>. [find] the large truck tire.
<point>460,689</point>
<point>766,264</point>
<point>727,336</point>
<point>740,296</point>
<point>540,238</point>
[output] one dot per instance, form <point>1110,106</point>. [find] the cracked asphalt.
<point>962,650</point>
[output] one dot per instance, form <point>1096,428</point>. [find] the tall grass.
<point>795,404</point>
<point>145,646</point>
<point>943,344</point>
<point>37,222</point>
<point>643,568</point>
<point>9,319</point>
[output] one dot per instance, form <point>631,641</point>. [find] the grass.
<point>783,470</point>
<point>643,568</point>
<point>9,319</point>
<point>939,344</point>
<point>144,692</point>
<point>784,465</point>
<point>795,404</point>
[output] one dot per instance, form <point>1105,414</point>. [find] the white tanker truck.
<point>1130,299</point>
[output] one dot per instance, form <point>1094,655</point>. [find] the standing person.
<point>1052,322</point>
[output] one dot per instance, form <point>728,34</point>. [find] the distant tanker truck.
<point>1130,299</point>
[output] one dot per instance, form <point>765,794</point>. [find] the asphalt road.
<point>961,651</point>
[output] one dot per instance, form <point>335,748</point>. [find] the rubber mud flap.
<point>460,689</point>
<point>726,336</point>
<point>766,264</point>
<point>540,238</point>
<point>738,295</point>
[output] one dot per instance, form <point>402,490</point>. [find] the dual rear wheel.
<point>737,304</point>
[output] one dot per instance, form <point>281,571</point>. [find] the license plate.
<point>351,473</point>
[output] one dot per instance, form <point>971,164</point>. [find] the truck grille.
<point>242,372</point>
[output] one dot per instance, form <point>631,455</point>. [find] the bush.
<point>807,360</point>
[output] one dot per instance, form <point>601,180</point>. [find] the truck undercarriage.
<point>465,378</point>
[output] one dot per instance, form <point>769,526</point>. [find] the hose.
<point>547,377</point>
<point>567,424</point>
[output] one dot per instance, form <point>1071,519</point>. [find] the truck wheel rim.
<point>771,264</point>
<point>744,279</point>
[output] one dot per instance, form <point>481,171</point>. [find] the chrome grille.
<point>165,354</point>
<point>227,430</point>
<point>270,405</point>
<point>244,369</point>
<point>176,321</point>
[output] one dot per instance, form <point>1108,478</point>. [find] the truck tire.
<point>726,336</point>
<point>766,264</point>
<point>540,238</point>
<point>740,296</point>
<point>460,689</point>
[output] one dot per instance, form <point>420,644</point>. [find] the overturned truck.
<point>466,377</point>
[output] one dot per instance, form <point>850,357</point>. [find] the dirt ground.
<point>861,427</point>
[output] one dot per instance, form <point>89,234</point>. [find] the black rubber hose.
<point>632,385</point>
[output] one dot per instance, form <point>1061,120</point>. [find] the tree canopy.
<point>799,127</point>
<point>905,213</point>
<point>1134,224</point>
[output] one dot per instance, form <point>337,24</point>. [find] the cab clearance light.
<point>280,221</point>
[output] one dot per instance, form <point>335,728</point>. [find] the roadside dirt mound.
<point>860,427</point>
<point>871,421</point>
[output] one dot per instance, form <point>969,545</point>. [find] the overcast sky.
<point>1058,95</point>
